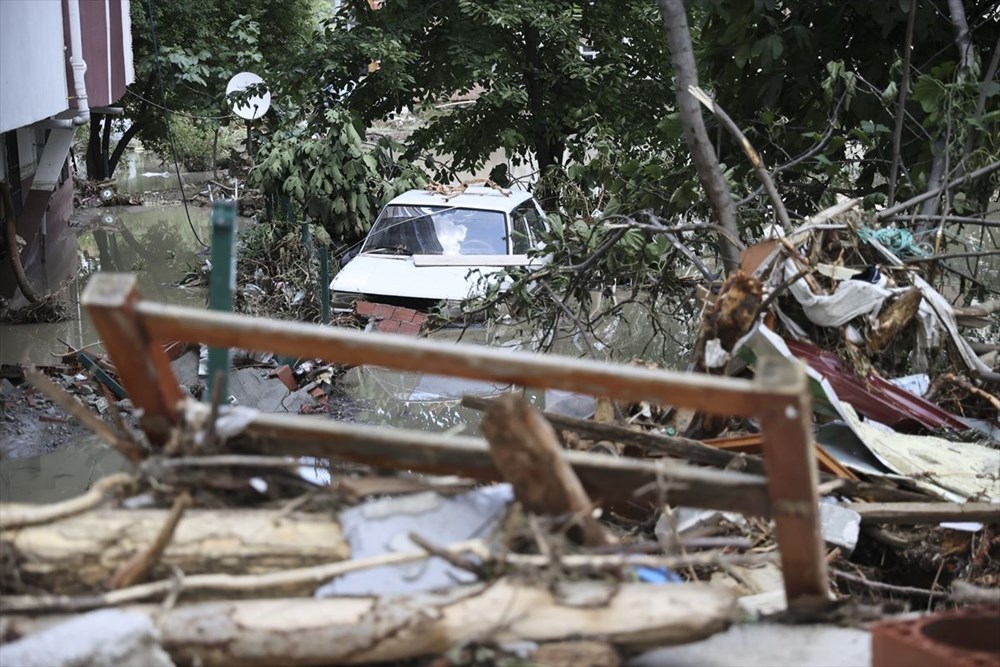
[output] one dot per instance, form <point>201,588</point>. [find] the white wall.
<point>32,62</point>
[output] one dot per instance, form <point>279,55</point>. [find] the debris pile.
<point>666,508</point>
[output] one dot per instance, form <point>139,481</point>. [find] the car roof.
<point>475,196</point>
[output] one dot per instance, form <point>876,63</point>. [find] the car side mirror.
<point>349,255</point>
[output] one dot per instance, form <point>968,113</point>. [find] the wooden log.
<point>525,450</point>
<point>914,514</point>
<point>294,632</point>
<point>607,479</point>
<point>81,554</point>
<point>714,395</point>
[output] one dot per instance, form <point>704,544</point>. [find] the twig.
<point>913,201</point>
<point>138,567</point>
<point>948,218</point>
<point>758,165</point>
<point>78,411</point>
<point>889,588</point>
<point>227,460</point>
<point>954,255</point>
<point>16,515</point>
<point>444,554</point>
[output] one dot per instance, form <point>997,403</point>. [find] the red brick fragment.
<point>364,308</point>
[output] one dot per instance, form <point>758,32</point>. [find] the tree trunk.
<point>122,144</point>
<point>81,553</point>
<point>709,172</point>
<point>106,147</point>
<point>95,166</point>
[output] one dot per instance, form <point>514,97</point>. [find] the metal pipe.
<point>221,285</point>
<point>78,65</point>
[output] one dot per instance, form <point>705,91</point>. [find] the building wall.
<point>31,52</point>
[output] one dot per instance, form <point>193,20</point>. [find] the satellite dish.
<point>256,105</point>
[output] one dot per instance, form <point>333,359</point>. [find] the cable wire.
<point>175,111</point>
<point>170,133</point>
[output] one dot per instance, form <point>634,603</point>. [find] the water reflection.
<point>63,474</point>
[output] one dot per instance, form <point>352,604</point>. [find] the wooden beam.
<point>527,453</point>
<point>791,475</point>
<point>714,395</point>
<point>902,514</point>
<point>144,368</point>
<point>607,479</point>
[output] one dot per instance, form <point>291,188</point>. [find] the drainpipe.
<point>79,70</point>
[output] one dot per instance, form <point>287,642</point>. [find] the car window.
<point>528,226</point>
<point>438,230</point>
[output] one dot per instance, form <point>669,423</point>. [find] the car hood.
<point>400,276</point>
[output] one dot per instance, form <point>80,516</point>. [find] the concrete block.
<point>840,526</point>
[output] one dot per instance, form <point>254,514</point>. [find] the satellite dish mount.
<point>250,109</point>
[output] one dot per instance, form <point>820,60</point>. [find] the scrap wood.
<point>16,515</point>
<point>695,451</point>
<point>76,409</point>
<point>951,378</point>
<point>391,630</point>
<point>926,513</point>
<point>525,450</point>
<point>606,479</point>
<point>82,553</point>
<point>752,444</point>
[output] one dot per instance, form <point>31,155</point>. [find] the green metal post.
<point>221,285</point>
<point>324,281</point>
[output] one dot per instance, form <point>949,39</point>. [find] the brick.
<point>388,326</point>
<point>404,314</point>
<point>364,308</point>
<point>284,373</point>
<point>409,328</point>
<point>382,311</point>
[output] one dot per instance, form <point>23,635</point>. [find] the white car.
<point>427,247</point>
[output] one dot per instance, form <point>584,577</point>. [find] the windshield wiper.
<point>387,250</point>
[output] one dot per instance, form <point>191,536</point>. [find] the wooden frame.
<point>133,331</point>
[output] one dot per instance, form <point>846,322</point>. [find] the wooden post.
<point>142,364</point>
<point>790,461</point>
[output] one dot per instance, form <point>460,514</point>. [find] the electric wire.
<point>170,133</point>
<point>175,111</point>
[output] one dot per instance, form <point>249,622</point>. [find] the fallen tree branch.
<point>16,515</point>
<point>889,588</point>
<point>758,164</point>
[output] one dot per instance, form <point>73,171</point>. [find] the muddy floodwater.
<point>47,457</point>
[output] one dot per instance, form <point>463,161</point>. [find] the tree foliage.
<point>537,78</point>
<point>202,43</point>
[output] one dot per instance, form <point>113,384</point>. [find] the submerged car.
<point>426,247</point>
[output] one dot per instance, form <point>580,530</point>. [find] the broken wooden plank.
<point>607,479</point>
<point>389,630</point>
<point>142,366</point>
<point>713,395</point>
<point>792,478</point>
<point>752,444</point>
<point>925,513</point>
<point>687,449</point>
<point>528,455</point>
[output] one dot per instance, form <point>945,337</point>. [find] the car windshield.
<point>438,230</point>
